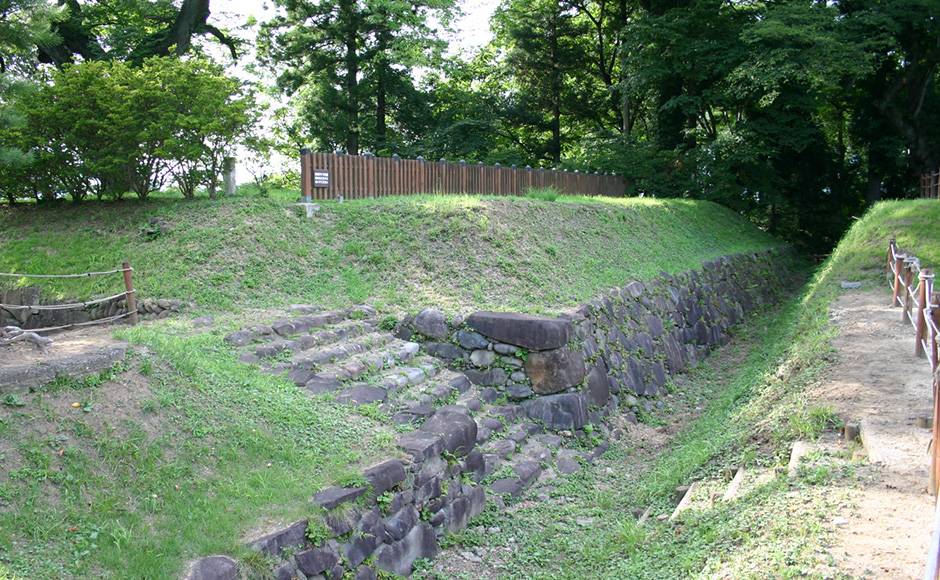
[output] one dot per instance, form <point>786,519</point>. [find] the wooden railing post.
<point>934,339</point>
<point>908,282</point>
<point>925,279</point>
<point>935,441</point>
<point>898,269</point>
<point>306,186</point>
<point>129,293</point>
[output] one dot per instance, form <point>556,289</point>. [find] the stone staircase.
<point>347,354</point>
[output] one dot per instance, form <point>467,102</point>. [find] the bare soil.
<point>881,384</point>
<point>66,343</point>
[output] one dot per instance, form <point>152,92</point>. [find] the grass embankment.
<point>397,254</point>
<point>757,402</point>
<point>184,452</point>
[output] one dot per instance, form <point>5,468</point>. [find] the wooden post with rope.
<point>129,293</point>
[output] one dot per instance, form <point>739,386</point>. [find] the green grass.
<point>183,450</point>
<point>398,254</point>
<point>757,403</point>
<point>207,451</point>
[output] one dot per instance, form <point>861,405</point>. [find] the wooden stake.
<point>129,293</point>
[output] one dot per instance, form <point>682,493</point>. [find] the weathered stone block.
<point>508,485</point>
<point>240,338</point>
<point>562,411</point>
<point>399,558</point>
<point>384,476</point>
<point>312,562</point>
<point>401,523</point>
<point>482,358</point>
<point>290,537</point>
<point>362,395</point>
<point>471,340</point>
<point>421,445</point>
<point>487,378</point>
<point>458,430</point>
<point>445,350</point>
<point>431,323</point>
<point>555,370</point>
<point>331,497</point>
<point>528,472</point>
<point>214,568</point>
<point>362,545</point>
<point>597,390</point>
<point>527,331</point>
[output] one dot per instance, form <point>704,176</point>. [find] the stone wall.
<point>611,355</point>
<point>622,347</point>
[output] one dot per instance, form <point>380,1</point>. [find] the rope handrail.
<point>128,294</point>
<point>85,275</point>
<point>18,307</point>
<point>89,323</point>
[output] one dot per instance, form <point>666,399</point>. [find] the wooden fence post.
<point>935,441</point>
<point>129,293</point>
<point>924,290</point>
<point>306,194</point>
<point>934,339</point>
<point>908,282</point>
<point>898,268</point>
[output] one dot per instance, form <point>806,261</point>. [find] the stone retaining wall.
<point>622,347</point>
<point>613,354</point>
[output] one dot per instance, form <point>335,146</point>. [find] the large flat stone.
<point>525,330</point>
<point>361,395</point>
<point>562,411</point>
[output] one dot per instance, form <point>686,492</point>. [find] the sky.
<point>472,29</point>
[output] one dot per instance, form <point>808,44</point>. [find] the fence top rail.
<point>85,275</point>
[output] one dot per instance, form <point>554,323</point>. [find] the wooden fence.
<point>930,185</point>
<point>129,295</point>
<point>333,176</point>
<point>913,289</point>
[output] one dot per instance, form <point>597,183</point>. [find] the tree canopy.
<point>797,113</point>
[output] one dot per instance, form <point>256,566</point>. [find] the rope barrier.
<point>86,275</point>
<point>77,324</point>
<point>18,307</point>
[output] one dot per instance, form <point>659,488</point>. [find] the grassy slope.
<point>184,450</point>
<point>398,254</point>
<point>780,530</point>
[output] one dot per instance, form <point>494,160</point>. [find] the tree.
<point>346,62</point>
<point>130,30</point>
<point>23,24</point>
<point>108,128</point>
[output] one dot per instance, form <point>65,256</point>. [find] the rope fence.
<point>129,295</point>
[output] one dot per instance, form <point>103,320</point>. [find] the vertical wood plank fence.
<point>332,176</point>
<point>129,296</point>
<point>930,185</point>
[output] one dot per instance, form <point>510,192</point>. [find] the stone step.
<point>331,357</point>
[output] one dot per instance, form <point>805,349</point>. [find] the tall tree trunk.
<point>352,90</point>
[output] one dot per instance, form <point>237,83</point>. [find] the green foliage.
<point>542,194</point>
<point>108,129</point>
<point>348,67</point>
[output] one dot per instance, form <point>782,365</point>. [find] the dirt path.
<point>881,384</point>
